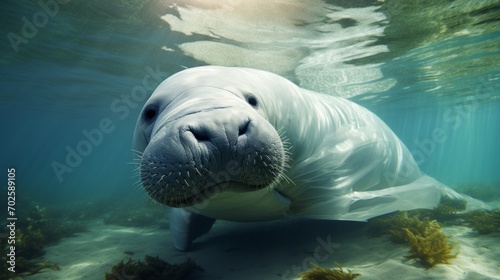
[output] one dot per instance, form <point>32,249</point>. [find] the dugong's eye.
<point>150,113</point>
<point>252,100</point>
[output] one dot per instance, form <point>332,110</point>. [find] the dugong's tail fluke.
<point>423,193</point>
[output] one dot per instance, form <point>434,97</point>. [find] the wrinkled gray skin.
<point>211,150</point>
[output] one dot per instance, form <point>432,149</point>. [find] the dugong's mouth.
<point>183,185</point>
<point>197,195</point>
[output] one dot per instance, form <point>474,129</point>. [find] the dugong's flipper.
<point>186,227</point>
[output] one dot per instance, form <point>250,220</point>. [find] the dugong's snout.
<point>194,157</point>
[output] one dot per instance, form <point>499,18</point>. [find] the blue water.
<point>66,78</point>
<point>451,121</point>
<point>67,111</point>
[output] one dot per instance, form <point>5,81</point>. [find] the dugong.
<point>243,144</point>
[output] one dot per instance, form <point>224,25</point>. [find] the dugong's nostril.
<point>209,132</point>
<point>243,127</point>
<point>201,136</point>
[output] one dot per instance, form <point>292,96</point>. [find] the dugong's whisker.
<point>283,178</point>
<point>137,153</point>
<point>196,168</point>
<point>138,186</point>
<point>287,148</point>
<point>162,176</point>
<point>207,170</point>
<point>137,169</point>
<point>134,163</point>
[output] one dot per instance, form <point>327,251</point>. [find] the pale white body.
<point>345,163</point>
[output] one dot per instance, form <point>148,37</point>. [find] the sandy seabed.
<point>271,250</point>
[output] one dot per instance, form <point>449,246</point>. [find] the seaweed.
<point>37,230</point>
<point>483,191</point>
<point>431,245</point>
<point>449,211</point>
<point>34,231</point>
<point>152,268</point>
<point>427,241</point>
<point>395,224</point>
<point>321,273</point>
<point>484,221</point>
